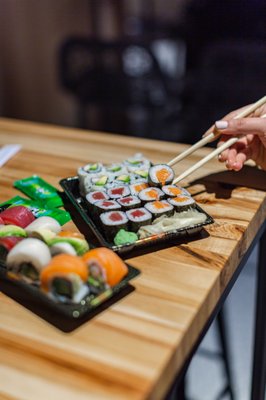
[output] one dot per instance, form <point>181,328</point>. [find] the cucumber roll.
<point>160,175</point>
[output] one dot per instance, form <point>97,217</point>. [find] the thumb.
<point>242,126</point>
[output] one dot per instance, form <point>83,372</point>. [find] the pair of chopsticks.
<point>7,152</point>
<point>211,137</point>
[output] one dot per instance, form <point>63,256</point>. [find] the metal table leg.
<point>259,360</point>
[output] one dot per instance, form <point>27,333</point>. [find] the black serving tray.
<point>65,316</point>
<point>76,205</point>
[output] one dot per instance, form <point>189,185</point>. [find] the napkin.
<point>7,152</point>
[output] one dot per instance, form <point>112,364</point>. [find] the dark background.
<point>162,69</point>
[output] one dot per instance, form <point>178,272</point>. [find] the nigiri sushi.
<point>105,266</point>
<point>28,258</point>
<point>65,277</point>
<point>17,215</point>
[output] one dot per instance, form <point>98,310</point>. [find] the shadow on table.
<point>51,312</point>
<point>222,183</point>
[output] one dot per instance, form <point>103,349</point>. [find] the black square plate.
<point>79,212</point>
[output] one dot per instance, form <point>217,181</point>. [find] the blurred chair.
<point>123,81</point>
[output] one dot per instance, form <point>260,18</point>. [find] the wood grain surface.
<point>135,348</point>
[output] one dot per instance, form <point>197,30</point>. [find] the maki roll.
<point>135,188</point>
<point>138,217</point>
<point>160,175</point>
<point>101,206</point>
<point>92,197</point>
<point>112,222</point>
<point>129,202</point>
<point>151,194</point>
<point>64,278</point>
<point>173,191</point>
<point>116,169</point>
<point>158,208</point>
<point>6,244</point>
<point>28,258</point>
<point>182,203</point>
<point>105,267</point>
<point>124,179</point>
<point>137,162</point>
<point>118,191</point>
<point>17,215</point>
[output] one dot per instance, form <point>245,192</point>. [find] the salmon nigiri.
<point>65,278</point>
<point>103,261</point>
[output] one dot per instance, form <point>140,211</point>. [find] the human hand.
<point>252,142</point>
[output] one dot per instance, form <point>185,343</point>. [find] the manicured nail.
<point>221,124</point>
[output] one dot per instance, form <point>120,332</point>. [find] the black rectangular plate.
<point>75,204</point>
<point>65,316</point>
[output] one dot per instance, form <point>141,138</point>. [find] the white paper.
<point>7,152</point>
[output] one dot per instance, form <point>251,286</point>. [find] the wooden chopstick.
<point>204,160</point>
<point>214,135</point>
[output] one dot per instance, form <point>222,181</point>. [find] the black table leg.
<point>259,360</point>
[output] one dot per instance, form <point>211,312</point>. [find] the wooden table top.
<point>135,348</point>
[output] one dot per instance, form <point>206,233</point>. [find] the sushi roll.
<point>28,258</point>
<point>135,188</point>
<point>124,179</point>
<point>112,222</point>
<point>17,215</point>
<point>137,162</point>
<point>99,182</point>
<point>173,191</point>
<point>75,239</point>
<point>64,278</point>
<point>118,191</point>
<point>159,208</point>
<point>182,203</point>
<point>43,223</point>
<point>160,175</point>
<point>105,266</point>
<point>1,221</point>
<point>116,169</point>
<point>92,197</point>
<point>129,202</point>
<point>101,206</point>
<point>138,217</point>
<point>86,172</point>
<point>6,244</point>
<point>151,194</point>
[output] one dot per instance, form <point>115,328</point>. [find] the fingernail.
<point>221,124</point>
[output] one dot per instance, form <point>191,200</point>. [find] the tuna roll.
<point>129,202</point>
<point>138,217</point>
<point>112,222</point>
<point>118,191</point>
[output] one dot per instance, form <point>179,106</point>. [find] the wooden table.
<point>136,348</point>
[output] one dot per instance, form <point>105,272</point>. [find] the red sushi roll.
<point>17,215</point>
<point>2,221</point>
